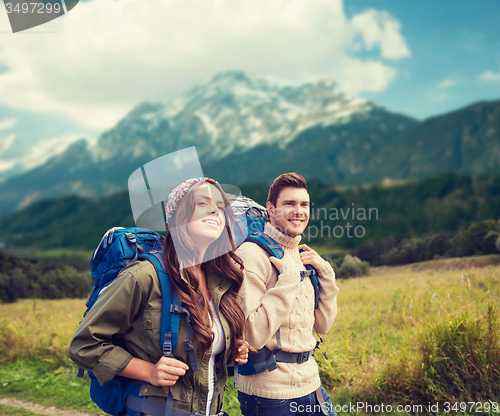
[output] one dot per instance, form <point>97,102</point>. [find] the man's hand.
<point>311,257</point>
<point>286,260</point>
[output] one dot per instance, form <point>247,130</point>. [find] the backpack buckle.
<point>303,357</point>
<point>167,345</point>
<point>188,345</point>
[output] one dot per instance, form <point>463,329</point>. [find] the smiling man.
<point>280,311</point>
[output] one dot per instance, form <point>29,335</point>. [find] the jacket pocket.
<point>151,325</point>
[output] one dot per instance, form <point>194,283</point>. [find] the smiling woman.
<point>207,221</point>
<point>206,276</point>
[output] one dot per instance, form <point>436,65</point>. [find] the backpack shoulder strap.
<point>171,311</point>
<point>169,321</point>
<point>265,242</point>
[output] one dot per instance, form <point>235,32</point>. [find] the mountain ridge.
<point>251,130</point>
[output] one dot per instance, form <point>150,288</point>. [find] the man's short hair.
<point>290,179</point>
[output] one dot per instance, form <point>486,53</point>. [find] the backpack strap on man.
<point>313,275</point>
<point>266,359</point>
<point>265,242</point>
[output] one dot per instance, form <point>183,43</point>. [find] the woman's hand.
<point>166,372</point>
<point>242,356</point>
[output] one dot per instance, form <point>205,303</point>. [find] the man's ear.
<point>270,209</point>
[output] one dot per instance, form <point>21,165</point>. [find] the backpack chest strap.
<point>293,357</point>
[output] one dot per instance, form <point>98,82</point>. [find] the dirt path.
<point>38,408</point>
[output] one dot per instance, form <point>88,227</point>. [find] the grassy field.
<point>417,335</point>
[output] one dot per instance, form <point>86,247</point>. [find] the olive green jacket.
<point>130,308</point>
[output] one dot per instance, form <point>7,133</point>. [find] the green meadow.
<point>415,336</point>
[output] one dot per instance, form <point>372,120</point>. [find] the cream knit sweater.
<point>271,302</point>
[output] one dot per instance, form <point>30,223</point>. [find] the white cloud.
<point>107,56</point>
<point>490,76</point>
<point>6,165</point>
<point>7,123</point>
<point>447,83</point>
<point>379,28</point>
<point>6,143</point>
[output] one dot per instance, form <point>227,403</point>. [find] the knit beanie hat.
<point>175,197</point>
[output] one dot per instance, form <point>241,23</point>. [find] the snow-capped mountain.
<point>231,112</point>
<point>11,151</point>
<point>249,130</point>
<point>17,158</point>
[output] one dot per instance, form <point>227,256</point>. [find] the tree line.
<point>21,279</point>
<point>479,238</point>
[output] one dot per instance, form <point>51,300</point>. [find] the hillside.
<point>444,203</point>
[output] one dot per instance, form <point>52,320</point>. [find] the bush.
<point>460,246</point>
<point>352,267</point>
<point>472,240</point>
<point>477,231</point>
<point>65,282</point>
<point>488,245</point>
<point>438,245</point>
<point>26,279</point>
<point>13,286</point>
<point>392,257</point>
<point>479,238</point>
<point>373,251</point>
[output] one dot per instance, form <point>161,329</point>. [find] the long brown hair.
<point>221,260</point>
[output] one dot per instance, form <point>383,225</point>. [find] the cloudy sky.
<point>79,74</point>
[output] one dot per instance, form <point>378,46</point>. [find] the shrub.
<point>13,286</point>
<point>373,251</point>
<point>488,245</point>
<point>472,240</point>
<point>460,246</point>
<point>44,282</point>
<point>352,267</point>
<point>438,245</point>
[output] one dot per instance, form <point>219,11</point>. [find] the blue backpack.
<point>118,248</point>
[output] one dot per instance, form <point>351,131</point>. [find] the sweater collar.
<point>283,239</point>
